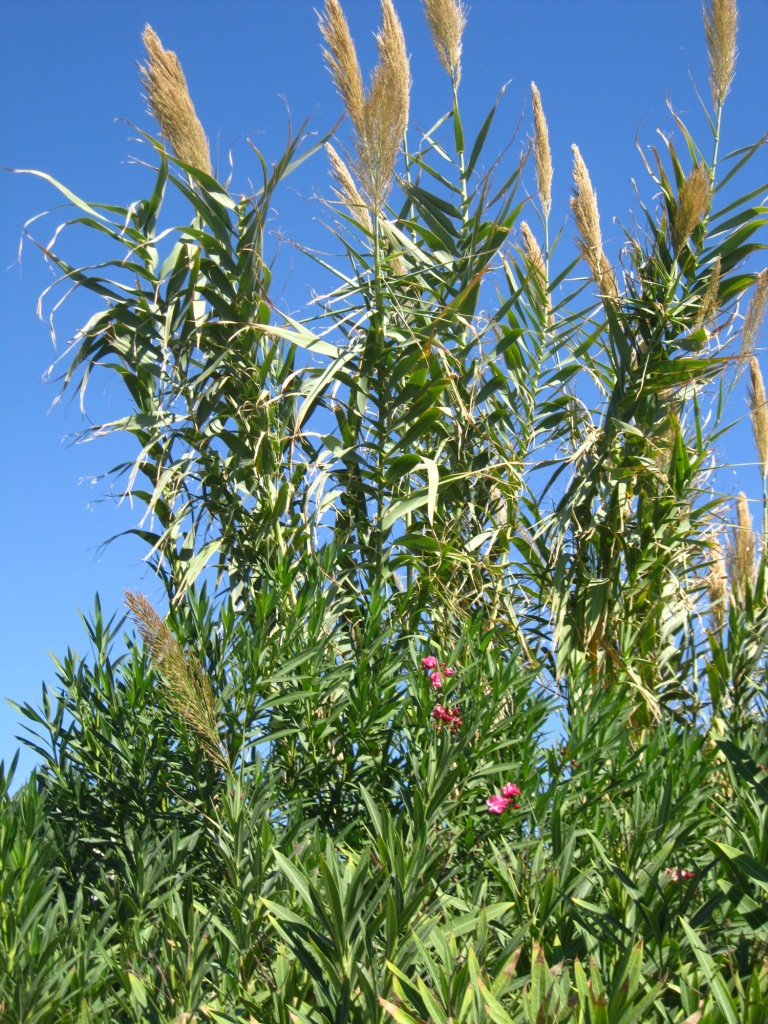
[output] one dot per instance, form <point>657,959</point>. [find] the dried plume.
<point>187,687</point>
<point>542,153</point>
<point>720,24</point>
<point>379,116</point>
<point>170,104</point>
<point>347,191</point>
<point>753,319</point>
<point>533,254</point>
<point>717,586</point>
<point>710,300</point>
<point>691,208</point>
<point>759,412</point>
<point>536,264</point>
<point>585,213</point>
<point>341,58</point>
<point>447,20</point>
<point>742,551</point>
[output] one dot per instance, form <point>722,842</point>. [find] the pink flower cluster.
<point>436,677</point>
<point>451,716</point>
<point>677,875</point>
<point>497,804</point>
<point>438,672</point>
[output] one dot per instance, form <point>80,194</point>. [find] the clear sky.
<point>605,69</point>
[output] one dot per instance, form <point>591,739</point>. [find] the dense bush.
<point>458,712</point>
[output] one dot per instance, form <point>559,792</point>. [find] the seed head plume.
<point>542,153</point>
<point>533,253</point>
<point>536,265</point>
<point>720,24</point>
<point>590,243</point>
<point>341,58</point>
<point>379,116</point>
<point>710,301</point>
<point>186,685</point>
<point>717,586</point>
<point>447,20</point>
<point>759,412</point>
<point>742,551</point>
<point>753,319</point>
<point>691,207</point>
<point>170,104</point>
<point>347,191</point>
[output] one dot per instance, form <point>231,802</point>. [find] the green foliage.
<point>442,553</point>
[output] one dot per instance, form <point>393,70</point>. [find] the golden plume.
<point>187,686</point>
<point>691,207</point>
<point>710,300</point>
<point>753,318</point>
<point>536,264</point>
<point>341,58</point>
<point>447,20</point>
<point>720,24</point>
<point>379,116</point>
<point>590,243</point>
<point>170,104</point>
<point>347,191</point>
<point>759,412</point>
<point>742,551</point>
<point>716,583</point>
<point>542,153</point>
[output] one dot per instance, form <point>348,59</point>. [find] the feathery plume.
<point>742,551</point>
<point>710,300</point>
<point>759,412</point>
<point>170,104</point>
<point>542,153</point>
<point>720,24</point>
<point>380,116</point>
<point>590,243</point>
<point>387,104</point>
<point>341,59</point>
<point>717,586</point>
<point>691,207</point>
<point>534,254</point>
<point>187,686</point>
<point>447,20</point>
<point>347,191</point>
<point>753,319</point>
<point>536,264</point>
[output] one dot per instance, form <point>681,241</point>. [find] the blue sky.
<point>605,69</point>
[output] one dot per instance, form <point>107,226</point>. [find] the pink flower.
<point>430,661</point>
<point>683,875</point>
<point>452,718</point>
<point>436,679</point>
<point>497,804</point>
<point>449,671</point>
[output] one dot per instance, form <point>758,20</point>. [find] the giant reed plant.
<point>466,722</point>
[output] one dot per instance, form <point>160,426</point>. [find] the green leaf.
<point>433,483</point>
<point>712,974</point>
<point>138,990</point>
<point>744,862</point>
